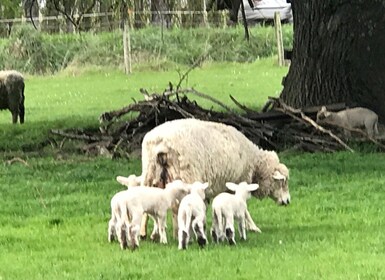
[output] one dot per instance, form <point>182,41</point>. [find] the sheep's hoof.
<point>143,237</point>
<point>134,247</point>
<point>202,241</point>
<point>214,236</point>
<point>230,236</point>
<point>123,246</point>
<point>155,237</point>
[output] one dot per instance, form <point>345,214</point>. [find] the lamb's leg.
<point>111,230</point>
<point>143,227</point>
<point>230,230</point>
<point>162,228</point>
<point>122,235</point>
<point>198,227</point>
<point>215,227</point>
<point>155,232</point>
<point>182,239</point>
<point>134,230</point>
<point>250,225</point>
<point>175,221</point>
<point>242,228</point>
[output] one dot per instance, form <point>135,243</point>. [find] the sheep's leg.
<point>175,221</point>
<point>111,230</point>
<point>230,230</point>
<point>242,228</point>
<point>143,227</point>
<point>162,228</point>
<point>122,235</point>
<point>155,232</point>
<point>15,115</point>
<point>217,226</point>
<point>250,225</point>
<point>134,230</point>
<point>182,237</point>
<point>214,226</point>
<point>198,227</point>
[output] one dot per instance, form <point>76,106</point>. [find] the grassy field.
<point>54,211</point>
<point>77,99</point>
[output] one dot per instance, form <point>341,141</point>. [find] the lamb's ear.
<point>122,180</point>
<point>205,185</point>
<point>278,176</point>
<point>231,186</point>
<point>252,187</point>
<point>323,109</point>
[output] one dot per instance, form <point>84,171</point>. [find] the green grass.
<point>54,212</point>
<point>77,99</point>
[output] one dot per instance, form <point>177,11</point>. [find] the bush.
<point>27,50</point>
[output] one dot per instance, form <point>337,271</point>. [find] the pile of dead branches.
<point>280,127</point>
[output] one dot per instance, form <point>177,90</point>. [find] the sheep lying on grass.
<point>226,207</point>
<point>194,150</point>
<point>12,94</point>
<point>350,118</point>
<point>131,204</point>
<point>192,215</point>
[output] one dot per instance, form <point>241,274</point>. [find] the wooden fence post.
<point>127,42</point>
<point>278,34</point>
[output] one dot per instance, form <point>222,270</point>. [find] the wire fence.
<point>99,22</point>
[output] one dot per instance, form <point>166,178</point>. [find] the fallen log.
<point>280,128</point>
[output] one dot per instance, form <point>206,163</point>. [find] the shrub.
<point>27,50</point>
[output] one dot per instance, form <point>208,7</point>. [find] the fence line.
<point>98,15</point>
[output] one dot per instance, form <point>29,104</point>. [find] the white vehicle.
<point>264,10</point>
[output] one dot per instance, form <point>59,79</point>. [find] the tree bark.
<point>338,54</point>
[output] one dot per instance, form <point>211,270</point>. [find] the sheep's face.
<point>323,115</point>
<point>280,188</point>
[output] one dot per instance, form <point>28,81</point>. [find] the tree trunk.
<point>338,54</point>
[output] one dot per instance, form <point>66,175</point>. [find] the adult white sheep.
<point>192,216</point>
<point>194,150</point>
<point>12,94</point>
<point>227,207</point>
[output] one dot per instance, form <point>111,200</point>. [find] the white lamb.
<point>130,181</point>
<point>350,118</point>
<point>192,215</point>
<point>194,150</point>
<point>226,207</point>
<point>134,202</point>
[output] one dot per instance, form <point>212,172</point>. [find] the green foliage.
<point>27,51</point>
<point>33,52</point>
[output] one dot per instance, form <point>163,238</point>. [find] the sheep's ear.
<point>205,185</point>
<point>231,186</point>
<point>122,180</point>
<point>278,176</point>
<point>323,109</point>
<point>252,187</point>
